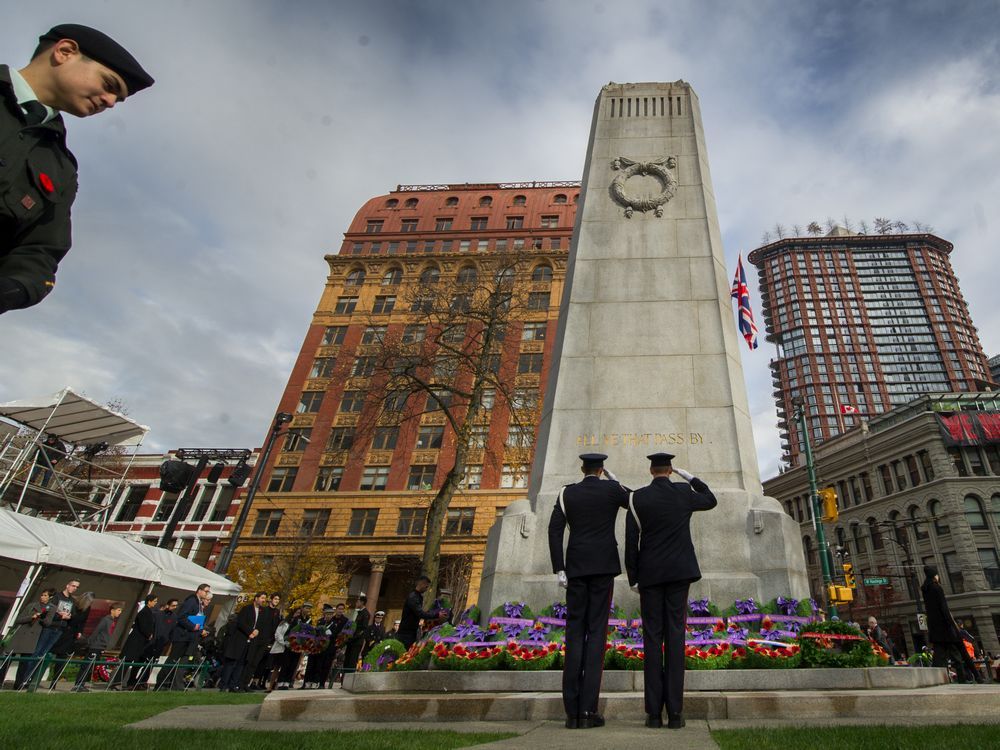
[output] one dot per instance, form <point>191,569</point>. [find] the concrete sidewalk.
<point>551,735</point>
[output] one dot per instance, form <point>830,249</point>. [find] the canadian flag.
<point>848,409</point>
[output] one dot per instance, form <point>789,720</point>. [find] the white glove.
<point>686,475</point>
<point>610,475</point>
<point>562,579</point>
<point>635,587</point>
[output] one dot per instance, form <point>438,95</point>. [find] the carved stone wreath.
<point>658,169</point>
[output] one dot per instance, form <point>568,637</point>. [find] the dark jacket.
<point>662,550</point>
<point>413,613</point>
<point>38,183</point>
<point>165,622</point>
<point>184,630</point>
<point>103,635</point>
<point>29,627</point>
<point>141,636</point>
<point>941,626</point>
<point>238,633</point>
<point>592,507</point>
<point>361,625</point>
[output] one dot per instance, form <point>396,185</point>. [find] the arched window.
<point>807,548</point>
<point>874,532</point>
<point>974,512</point>
<point>486,201</point>
<point>918,528</point>
<point>560,198</point>
<point>941,527</point>
<point>505,277</point>
<point>542,272</point>
<point>392,277</point>
<point>355,277</point>
<point>411,202</point>
<point>899,531</point>
<point>859,539</point>
<point>430,275</point>
<point>520,200</point>
<point>995,501</point>
<point>391,203</point>
<point>576,198</point>
<point>451,201</point>
<point>467,275</point>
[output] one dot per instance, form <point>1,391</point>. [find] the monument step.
<point>958,702</point>
<point>727,680</point>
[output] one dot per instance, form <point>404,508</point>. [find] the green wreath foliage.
<point>843,654</point>
<point>391,645</point>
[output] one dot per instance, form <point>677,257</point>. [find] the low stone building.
<point>918,485</point>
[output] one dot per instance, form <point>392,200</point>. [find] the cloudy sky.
<point>208,202</point>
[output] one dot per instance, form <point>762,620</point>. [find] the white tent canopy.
<point>73,418</point>
<point>35,540</point>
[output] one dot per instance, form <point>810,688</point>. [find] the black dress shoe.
<point>654,722</point>
<point>591,720</point>
<point>675,721</point>
<point>572,722</point>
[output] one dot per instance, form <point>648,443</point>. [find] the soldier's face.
<point>81,86</point>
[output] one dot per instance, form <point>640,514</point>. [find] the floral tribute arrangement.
<point>307,639</point>
<point>345,634</point>
<point>780,634</point>
<point>382,655</point>
<point>835,644</point>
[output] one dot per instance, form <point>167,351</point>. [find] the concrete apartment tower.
<point>647,359</point>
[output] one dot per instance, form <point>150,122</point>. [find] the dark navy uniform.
<point>37,188</point>
<point>590,509</point>
<point>660,558</point>
<point>38,179</point>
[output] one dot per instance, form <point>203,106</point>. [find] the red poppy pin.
<point>46,182</point>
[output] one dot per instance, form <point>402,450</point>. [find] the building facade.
<point>361,493</point>
<point>862,324</point>
<point>141,510</point>
<point>918,485</point>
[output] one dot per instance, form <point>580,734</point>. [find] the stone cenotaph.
<point>647,359</point>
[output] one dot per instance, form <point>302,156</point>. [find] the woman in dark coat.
<point>22,643</point>
<point>942,630</point>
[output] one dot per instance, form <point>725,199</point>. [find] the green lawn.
<point>95,721</point>
<point>957,737</point>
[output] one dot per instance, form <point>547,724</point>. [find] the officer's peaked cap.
<point>659,459</point>
<point>99,46</point>
<point>592,460</point>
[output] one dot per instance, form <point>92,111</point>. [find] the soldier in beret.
<point>75,69</point>
<point>660,562</point>
<point>590,509</point>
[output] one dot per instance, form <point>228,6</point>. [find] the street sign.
<point>876,581</point>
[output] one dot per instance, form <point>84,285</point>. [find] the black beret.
<point>660,459</point>
<point>99,46</point>
<point>592,460</point>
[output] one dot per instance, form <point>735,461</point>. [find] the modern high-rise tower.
<point>863,323</point>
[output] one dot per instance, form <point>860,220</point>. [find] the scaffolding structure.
<point>65,457</point>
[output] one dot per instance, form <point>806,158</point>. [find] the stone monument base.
<point>754,551</point>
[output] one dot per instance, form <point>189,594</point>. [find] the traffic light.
<point>839,594</point>
<point>239,474</point>
<point>828,497</point>
<point>849,576</point>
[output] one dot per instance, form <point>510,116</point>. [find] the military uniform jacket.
<point>662,550</point>
<point>592,507</point>
<point>38,182</point>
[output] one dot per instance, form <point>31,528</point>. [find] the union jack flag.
<point>741,294</point>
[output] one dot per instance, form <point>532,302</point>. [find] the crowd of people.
<point>171,642</point>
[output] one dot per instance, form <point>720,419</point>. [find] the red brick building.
<point>364,496</point>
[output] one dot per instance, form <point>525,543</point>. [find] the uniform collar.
<point>24,93</point>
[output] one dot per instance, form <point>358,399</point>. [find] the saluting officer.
<point>660,560</point>
<point>75,69</point>
<point>590,509</point>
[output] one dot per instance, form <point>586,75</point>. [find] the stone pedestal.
<point>647,359</point>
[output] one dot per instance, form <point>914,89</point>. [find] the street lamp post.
<point>817,513</point>
<point>226,556</point>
